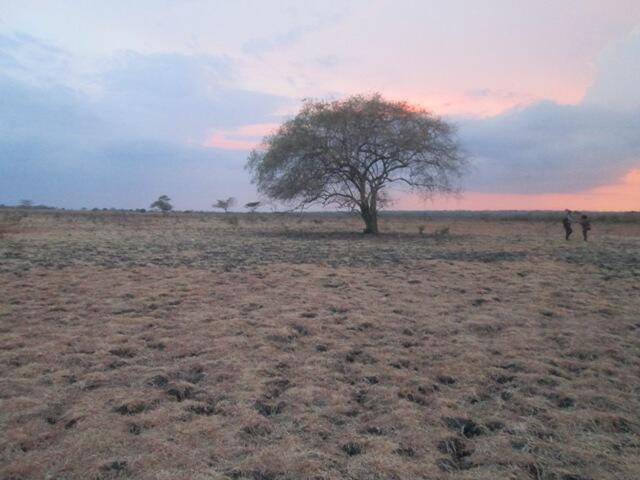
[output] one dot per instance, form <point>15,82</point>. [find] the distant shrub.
<point>420,229</point>
<point>163,203</point>
<point>318,221</point>
<point>225,204</point>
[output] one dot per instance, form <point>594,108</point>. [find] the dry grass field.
<point>276,347</point>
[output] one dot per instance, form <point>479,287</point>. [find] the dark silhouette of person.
<point>586,226</point>
<point>566,223</point>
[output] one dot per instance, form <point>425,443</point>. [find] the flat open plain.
<point>273,347</point>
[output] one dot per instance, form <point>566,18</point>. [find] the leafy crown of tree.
<point>347,153</point>
<point>163,203</point>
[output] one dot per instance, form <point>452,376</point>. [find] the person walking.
<point>566,223</point>
<point>586,226</point>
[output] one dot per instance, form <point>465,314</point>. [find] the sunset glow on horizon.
<point>617,197</point>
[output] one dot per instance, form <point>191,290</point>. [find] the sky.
<point>111,104</point>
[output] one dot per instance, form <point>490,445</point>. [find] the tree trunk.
<point>370,217</point>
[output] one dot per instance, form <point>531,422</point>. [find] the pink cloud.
<point>257,129</point>
<point>221,140</point>
<point>246,137</point>
<point>621,196</point>
<point>481,102</point>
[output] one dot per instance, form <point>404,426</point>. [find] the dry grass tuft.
<point>188,347</point>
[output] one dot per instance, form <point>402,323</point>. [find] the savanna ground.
<point>190,347</point>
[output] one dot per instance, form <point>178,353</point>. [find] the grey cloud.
<point>177,96</point>
<point>548,147</point>
<point>28,58</point>
<point>259,46</point>
<point>138,137</point>
<point>121,175</point>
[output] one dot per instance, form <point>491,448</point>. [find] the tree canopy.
<point>348,152</point>
<point>163,203</point>
<point>225,204</point>
<point>253,206</point>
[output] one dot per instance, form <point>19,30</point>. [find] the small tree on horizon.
<point>349,152</point>
<point>163,203</point>
<point>225,204</point>
<point>252,206</point>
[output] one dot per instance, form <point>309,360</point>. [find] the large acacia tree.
<point>348,152</point>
